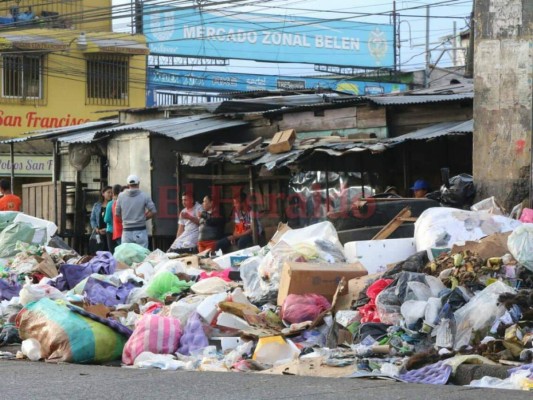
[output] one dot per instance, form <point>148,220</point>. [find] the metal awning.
<point>435,131</point>
<point>31,42</point>
<point>418,99</point>
<point>83,133</point>
<point>110,45</point>
<point>179,128</point>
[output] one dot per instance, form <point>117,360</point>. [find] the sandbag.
<point>153,333</point>
<point>67,336</point>
<point>305,307</point>
<point>130,253</point>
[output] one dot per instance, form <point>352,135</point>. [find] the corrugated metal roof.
<point>435,131</point>
<point>179,128</point>
<point>273,103</point>
<point>29,148</point>
<point>79,137</point>
<point>52,133</point>
<point>465,127</point>
<point>405,100</point>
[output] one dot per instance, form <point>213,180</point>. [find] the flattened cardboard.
<point>323,279</point>
<point>494,245</point>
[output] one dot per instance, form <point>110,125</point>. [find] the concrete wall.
<point>503,101</point>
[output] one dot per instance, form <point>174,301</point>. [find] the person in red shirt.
<point>9,201</point>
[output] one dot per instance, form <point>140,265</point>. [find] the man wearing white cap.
<point>134,207</point>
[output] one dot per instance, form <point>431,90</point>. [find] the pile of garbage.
<point>304,304</point>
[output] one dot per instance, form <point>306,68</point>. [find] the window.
<point>107,80</point>
<point>22,76</point>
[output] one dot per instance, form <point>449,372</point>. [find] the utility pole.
<point>469,70</point>
<point>428,55</point>
<point>454,43</point>
<point>138,17</point>
<point>394,34</point>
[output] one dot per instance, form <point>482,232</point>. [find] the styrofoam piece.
<point>228,320</point>
<point>208,308</point>
<point>225,261</point>
<point>228,343</point>
<point>50,227</point>
<point>375,255</point>
<point>238,296</point>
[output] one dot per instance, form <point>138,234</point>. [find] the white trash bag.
<point>520,244</point>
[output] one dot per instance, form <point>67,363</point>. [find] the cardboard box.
<point>301,278</point>
<point>282,141</point>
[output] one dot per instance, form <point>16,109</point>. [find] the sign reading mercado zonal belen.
<point>270,38</point>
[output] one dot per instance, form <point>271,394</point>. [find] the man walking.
<point>135,207</point>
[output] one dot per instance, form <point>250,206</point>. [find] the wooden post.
<point>55,179</point>
<point>327,190</point>
<point>12,154</point>
<point>79,214</point>
<point>253,217</point>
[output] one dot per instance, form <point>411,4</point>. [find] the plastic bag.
<point>417,291</point>
<point>369,311</point>
<point>388,306</point>
<point>173,266</point>
<point>184,308</point>
<point>13,233</point>
<point>489,205</point>
<point>130,253</point>
<point>166,362</point>
<point>520,244</point>
<point>210,286</point>
<point>67,336</point>
<point>31,348</point>
<point>250,278</point>
<point>9,289</point>
<point>479,313</point>
<point>306,307</point>
<point>164,284</point>
<point>443,227</point>
<point>194,337</point>
<point>31,293</point>
<point>435,285</point>
<point>153,333</point>
<point>7,218</point>
<point>275,350</point>
<point>412,311</point>
<point>460,193</point>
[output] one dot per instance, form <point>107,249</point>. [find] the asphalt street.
<point>27,380</point>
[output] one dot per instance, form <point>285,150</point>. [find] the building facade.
<point>61,65</point>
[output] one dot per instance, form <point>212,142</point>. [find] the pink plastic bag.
<point>526,216</point>
<point>154,333</point>
<point>303,307</point>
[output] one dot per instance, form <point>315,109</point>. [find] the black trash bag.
<point>59,243</point>
<point>414,263</point>
<point>376,330</point>
<point>402,279</point>
<point>460,193</point>
<point>9,334</point>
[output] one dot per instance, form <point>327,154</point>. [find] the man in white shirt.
<point>188,222</point>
